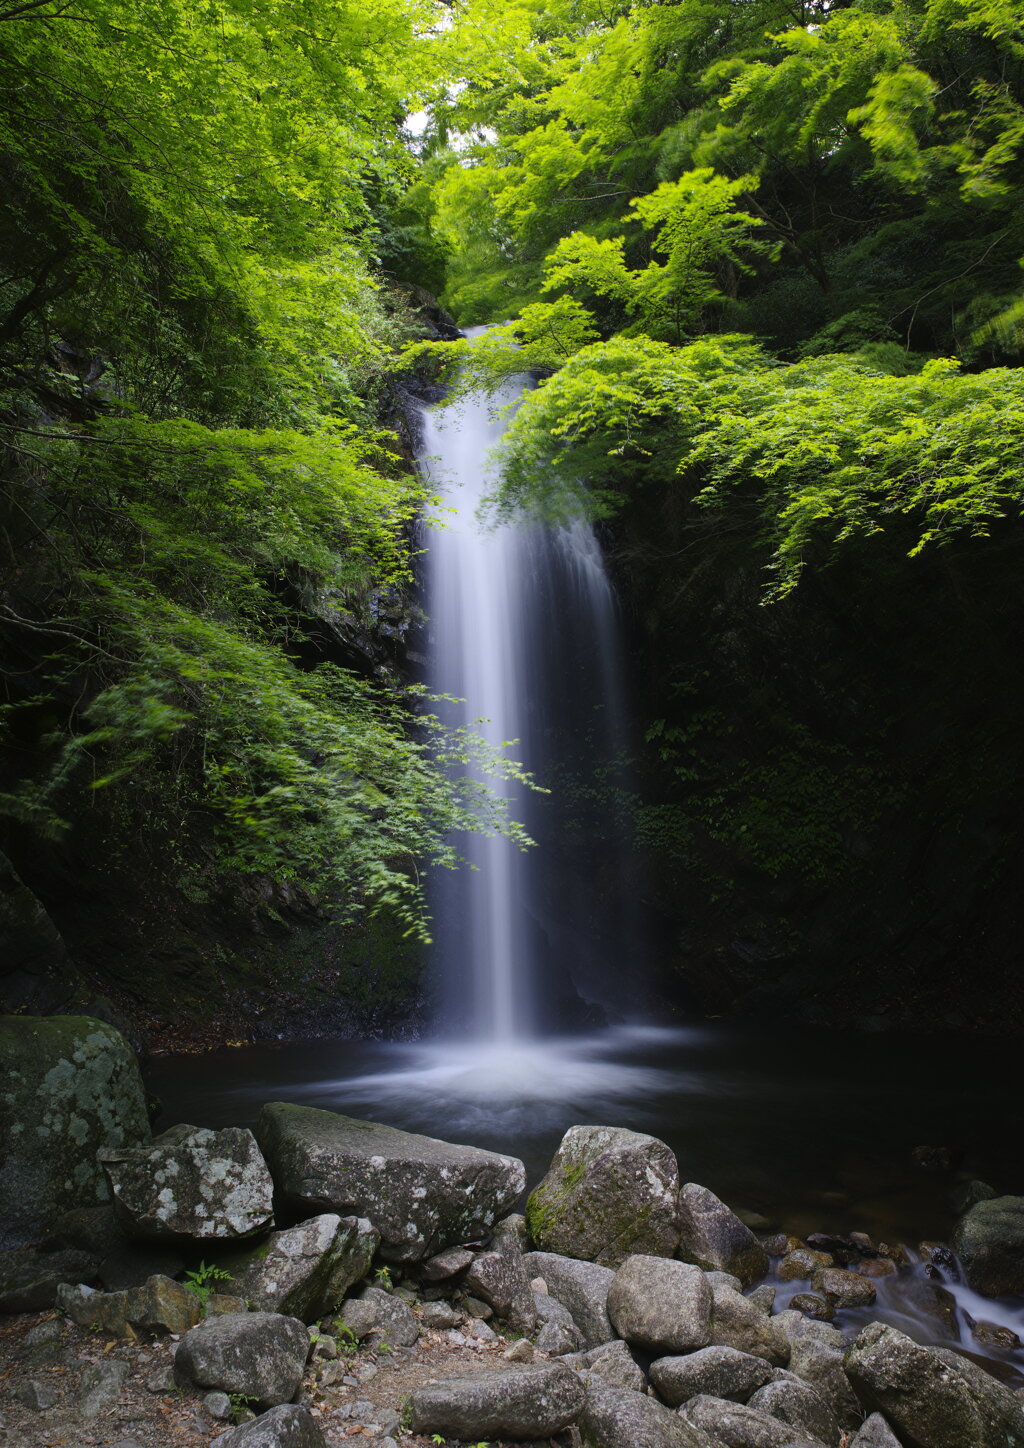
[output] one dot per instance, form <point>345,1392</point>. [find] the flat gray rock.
<point>741,1324</point>
<point>609,1194</point>
<point>306,1270</point>
<point>801,1406</point>
<point>717,1372</point>
<point>422,1195</point>
<point>618,1418</point>
<point>736,1425</point>
<point>192,1184</point>
<point>531,1402</point>
<point>662,1306</point>
<point>932,1397</point>
<point>100,1387</point>
<point>382,1317</point>
<point>283,1427</point>
<point>581,1287</point>
<point>874,1432</point>
<point>712,1236</point>
<point>261,1355</point>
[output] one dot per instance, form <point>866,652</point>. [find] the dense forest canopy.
<point>763,258</point>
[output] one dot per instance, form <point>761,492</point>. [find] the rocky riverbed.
<point>322,1279</point>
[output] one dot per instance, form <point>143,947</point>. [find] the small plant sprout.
<point>201,1282</point>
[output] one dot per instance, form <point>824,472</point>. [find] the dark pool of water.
<point>814,1131</point>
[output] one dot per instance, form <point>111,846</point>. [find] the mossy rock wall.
<point>69,1085</point>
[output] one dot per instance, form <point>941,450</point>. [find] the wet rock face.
<point>421,1194</point>
<point>990,1242</point>
<point>531,1402</point>
<point>192,1184</point>
<point>305,1271</point>
<point>69,1087</point>
<point>933,1398</point>
<point>661,1306</point>
<point>259,1354</point>
<point>609,1194</point>
<point>712,1236</point>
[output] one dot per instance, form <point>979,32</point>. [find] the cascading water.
<point>523,629</point>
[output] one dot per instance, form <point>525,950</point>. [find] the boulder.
<point>559,1333</point>
<point>192,1184</point>
<point>990,1242</point>
<point>609,1194</point>
<point>933,1398</point>
<point>306,1270</point>
<point>421,1194</point>
<point>509,1402</point>
<point>284,1427</point>
<point>741,1324</point>
<point>159,1305</point>
<point>69,1087</point>
<point>735,1425</point>
<point>446,1264</point>
<point>618,1418</point>
<point>802,1264</point>
<point>801,1406</point>
<point>499,1278</point>
<point>29,1280</point>
<point>816,1353</point>
<point>713,1237</point>
<point>874,1432</point>
<point>581,1287</point>
<point>661,1305</point>
<point>261,1355</point>
<point>845,1289</point>
<point>382,1317</point>
<point>715,1372</point>
<point>814,1306</point>
<point>614,1362</point>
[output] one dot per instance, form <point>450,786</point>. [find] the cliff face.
<point>833,785</point>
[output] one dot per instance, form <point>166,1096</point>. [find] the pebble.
<point>161,1381</point>
<point>519,1352</point>
<point>476,1308</point>
<point>365,1374</point>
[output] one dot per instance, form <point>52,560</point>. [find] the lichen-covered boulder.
<point>609,1194</point>
<point>69,1087</point>
<point>990,1242</point>
<point>531,1402</point>
<point>712,1236</point>
<point>932,1397</point>
<point>261,1355</point>
<point>581,1287</point>
<point>192,1184</point>
<point>306,1270</point>
<point>661,1306</point>
<point>421,1194</point>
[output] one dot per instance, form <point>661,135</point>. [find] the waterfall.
<point>523,629</point>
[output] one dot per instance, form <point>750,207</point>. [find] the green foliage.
<point>202,1281</point>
